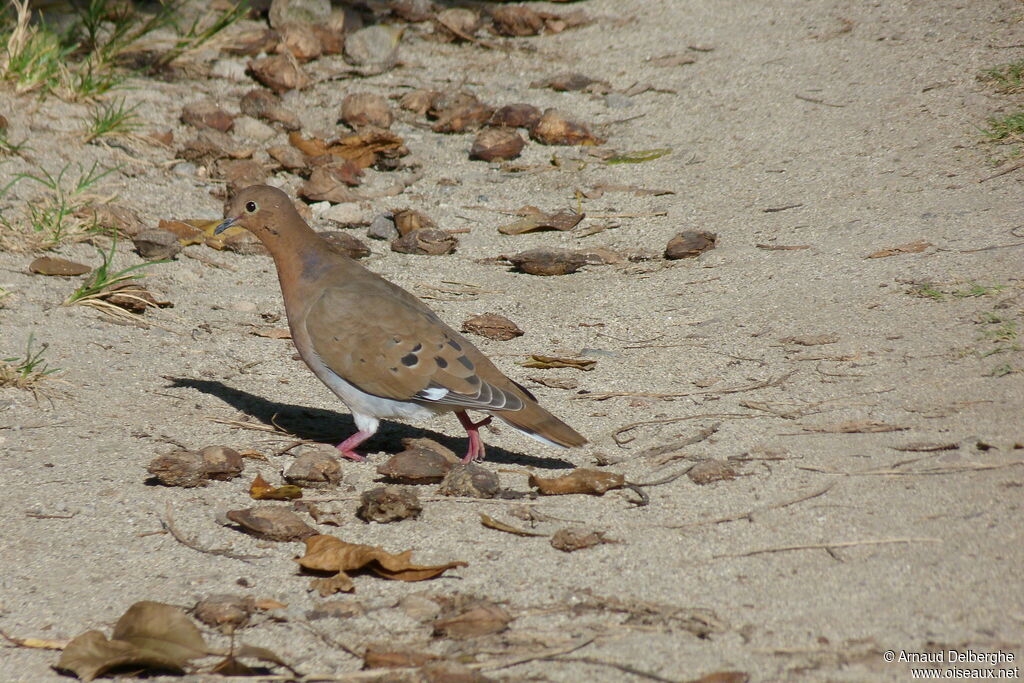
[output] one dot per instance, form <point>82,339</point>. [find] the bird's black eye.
<point>251,207</point>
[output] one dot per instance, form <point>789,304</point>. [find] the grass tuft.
<point>86,59</point>
<point>112,118</point>
<point>1006,128</point>
<point>26,372</point>
<point>103,277</point>
<point>1006,78</point>
<point>53,218</point>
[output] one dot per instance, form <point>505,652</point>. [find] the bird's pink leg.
<point>476,445</point>
<point>347,447</point>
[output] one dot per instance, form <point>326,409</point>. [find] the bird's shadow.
<point>329,427</point>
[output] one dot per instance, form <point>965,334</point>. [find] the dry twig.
<point>829,546</point>
<point>749,514</point>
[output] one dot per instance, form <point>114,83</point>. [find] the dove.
<point>381,350</point>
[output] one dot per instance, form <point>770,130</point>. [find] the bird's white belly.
<point>366,408</point>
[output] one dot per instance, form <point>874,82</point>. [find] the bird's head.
<point>260,209</point>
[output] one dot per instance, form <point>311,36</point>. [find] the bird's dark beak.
<point>228,222</point>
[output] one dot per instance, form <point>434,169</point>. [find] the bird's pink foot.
<point>347,447</point>
<point>476,444</point>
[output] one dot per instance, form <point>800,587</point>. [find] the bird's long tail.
<point>535,421</point>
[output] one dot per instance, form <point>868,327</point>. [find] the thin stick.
<point>614,665</point>
<point>603,396</point>
<point>812,100</point>
<point>667,420</point>
<point>827,546</point>
<point>749,514</point>
<point>522,659</point>
<point>953,469</point>
<point>168,523</point>
<point>1011,169</point>
<point>641,214</point>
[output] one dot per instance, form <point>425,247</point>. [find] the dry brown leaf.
<point>573,81</point>
<point>516,21</point>
<point>365,147</point>
<point>263,104</point>
<point>226,613</point>
<point>689,244</point>
<point>480,619</point>
<point>259,489</point>
<point>273,523</point>
<point>547,261</point>
<point>711,470</point>
<point>52,265</point>
<point>547,362</point>
<point>315,468</point>
<point>207,114</point>
<point>496,144</point>
<point>581,480</point>
<point>561,220</point>
<point>492,523</point>
<point>326,553</point>
<point>386,504</point>
<point>150,636</point>
<point>366,109</point>
<point>518,115</point>
<point>425,242</point>
<point>492,326</point>
<point>571,539</point>
<point>416,466</point>
<point>251,42</point>
<point>280,73</point>
<point>554,128</point>
<point>469,480</point>
<point>188,231</point>
<point>914,247</point>
<point>301,41</point>
<point>390,656</point>
<point>857,427</point>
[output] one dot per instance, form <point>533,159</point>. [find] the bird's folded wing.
<point>386,346</point>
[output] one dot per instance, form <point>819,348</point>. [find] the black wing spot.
<point>418,347</point>
<point>410,360</point>
<point>466,363</point>
<point>441,362</point>
<point>454,344</point>
<point>394,370</point>
<point>473,380</point>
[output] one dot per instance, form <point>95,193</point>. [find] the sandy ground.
<point>862,116</point>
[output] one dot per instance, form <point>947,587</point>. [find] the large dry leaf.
<point>150,635</point>
<point>582,480</point>
<point>331,554</point>
<point>91,655</point>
